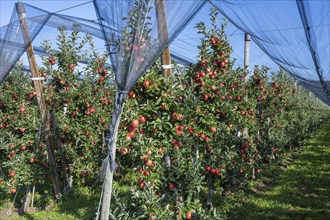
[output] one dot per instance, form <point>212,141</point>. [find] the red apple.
<point>205,97</point>
<point>146,83</point>
<point>123,151</point>
<point>142,185</point>
<point>131,95</point>
<point>171,186</point>
<point>142,119</point>
<point>144,158</point>
<point>178,132</point>
<point>131,134</point>
<point>135,123</point>
<point>146,173</point>
<point>188,215</point>
<point>149,163</point>
<point>33,159</point>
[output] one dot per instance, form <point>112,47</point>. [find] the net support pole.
<point>163,36</point>
<point>38,88</point>
<point>247,40</point>
<point>111,164</point>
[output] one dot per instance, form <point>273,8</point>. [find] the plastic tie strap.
<point>38,78</point>
<point>169,66</point>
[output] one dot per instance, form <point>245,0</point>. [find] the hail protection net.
<point>12,44</point>
<point>40,24</point>
<point>294,34</point>
<point>185,44</point>
<point>144,28</point>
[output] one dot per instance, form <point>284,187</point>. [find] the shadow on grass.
<point>81,204</point>
<point>302,191</point>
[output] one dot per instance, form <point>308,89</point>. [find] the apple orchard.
<point>206,130</point>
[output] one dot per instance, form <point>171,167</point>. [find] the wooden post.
<point>163,36</point>
<point>247,40</point>
<point>41,102</point>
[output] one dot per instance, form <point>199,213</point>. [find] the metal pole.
<point>38,88</point>
<point>163,36</point>
<point>247,40</point>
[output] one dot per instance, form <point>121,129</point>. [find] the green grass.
<point>300,191</point>
<point>81,203</point>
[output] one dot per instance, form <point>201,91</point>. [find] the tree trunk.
<point>26,201</point>
<point>253,173</point>
<point>67,186</point>
<point>197,150</point>
<point>209,191</point>
<point>32,197</point>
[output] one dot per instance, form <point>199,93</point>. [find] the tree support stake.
<point>38,88</point>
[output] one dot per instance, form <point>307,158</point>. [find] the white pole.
<point>247,40</point>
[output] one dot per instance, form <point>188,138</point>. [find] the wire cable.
<point>75,6</point>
